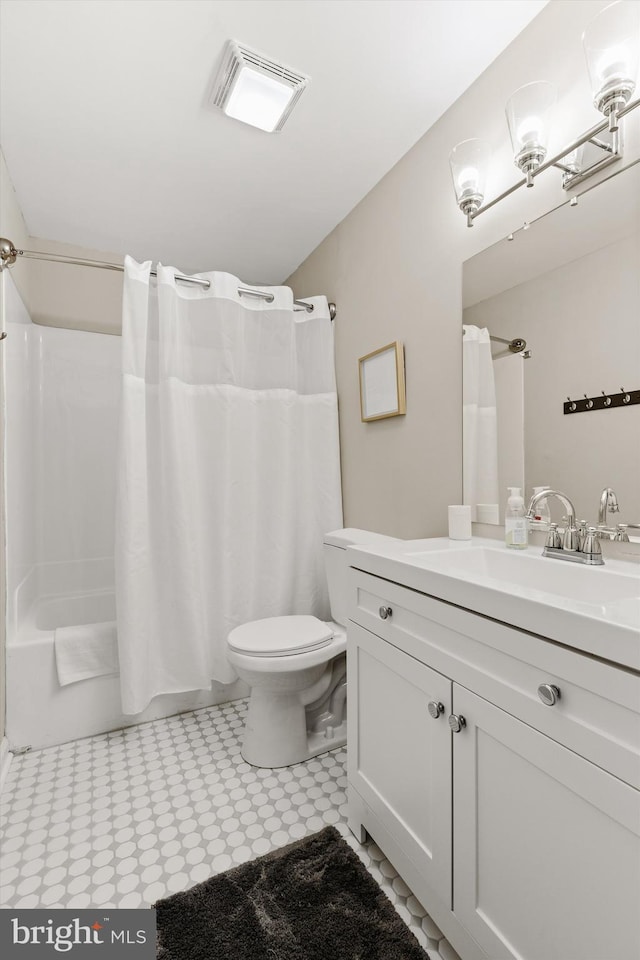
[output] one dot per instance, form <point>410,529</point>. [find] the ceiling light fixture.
<point>256,89</point>
<point>612,48</point>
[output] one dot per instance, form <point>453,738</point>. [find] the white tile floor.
<point>125,818</point>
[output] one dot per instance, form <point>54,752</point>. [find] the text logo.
<point>31,934</point>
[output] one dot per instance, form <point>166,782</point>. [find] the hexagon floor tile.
<point>125,818</point>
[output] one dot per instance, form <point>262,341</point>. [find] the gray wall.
<point>394,268</point>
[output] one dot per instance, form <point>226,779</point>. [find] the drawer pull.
<point>435,709</point>
<point>548,693</point>
<point>385,612</point>
<point>457,722</point>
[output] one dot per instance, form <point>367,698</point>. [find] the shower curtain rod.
<point>9,255</point>
<point>516,346</point>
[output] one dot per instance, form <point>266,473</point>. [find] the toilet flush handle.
<point>385,612</point>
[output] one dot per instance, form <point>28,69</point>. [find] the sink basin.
<point>529,572</point>
<point>594,609</point>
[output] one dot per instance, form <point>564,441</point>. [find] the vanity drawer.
<point>597,713</point>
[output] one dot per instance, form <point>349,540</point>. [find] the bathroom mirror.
<point>569,285</point>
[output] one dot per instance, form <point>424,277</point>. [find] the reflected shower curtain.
<point>479,421</point>
<point>228,475</point>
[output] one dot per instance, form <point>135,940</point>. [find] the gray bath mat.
<point>311,900</point>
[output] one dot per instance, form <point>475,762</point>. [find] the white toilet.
<point>296,668</point>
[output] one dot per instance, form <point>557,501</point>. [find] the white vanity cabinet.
<point>403,768</point>
<point>520,833</point>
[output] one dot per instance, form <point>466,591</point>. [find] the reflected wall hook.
<point>606,401</point>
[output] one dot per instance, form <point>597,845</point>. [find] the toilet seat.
<point>280,636</point>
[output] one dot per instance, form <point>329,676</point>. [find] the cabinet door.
<point>546,844</point>
<point>399,756</point>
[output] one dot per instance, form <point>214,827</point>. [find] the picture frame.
<point>382,383</point>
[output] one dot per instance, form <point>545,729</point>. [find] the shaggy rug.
<point>311,900</point>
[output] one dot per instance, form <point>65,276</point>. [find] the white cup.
<point>459,522</point>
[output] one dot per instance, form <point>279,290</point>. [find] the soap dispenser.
<point>515,523</point>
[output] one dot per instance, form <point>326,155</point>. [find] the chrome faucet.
<point>608,501</point>
<point>572,546</point>
<point>571,539</point>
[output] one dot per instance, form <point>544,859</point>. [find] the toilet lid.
<point>280,636</point>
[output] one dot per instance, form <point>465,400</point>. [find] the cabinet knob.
<point>457,722</point>
<point>548,693</point>
<point>435,708</point>
<point>385,612</point>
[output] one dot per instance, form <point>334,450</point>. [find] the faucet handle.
<point>582,531</point>
<point>621,535</point>
<point>553,537</point>
<point>591,544</point>
<point>571,538</point>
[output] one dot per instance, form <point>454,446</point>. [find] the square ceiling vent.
<point>255,89</point>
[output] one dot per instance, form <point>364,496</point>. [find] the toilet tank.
<point>335,545</point>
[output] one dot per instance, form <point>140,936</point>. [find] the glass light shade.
<point>573,161</point>
<point>528,114</point>
<point>612,48</point>
<point>469,162</point>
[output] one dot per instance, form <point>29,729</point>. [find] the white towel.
<point>88,650</point>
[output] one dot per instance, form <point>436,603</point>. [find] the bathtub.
<point>41,713</point>
<point>62,400</point>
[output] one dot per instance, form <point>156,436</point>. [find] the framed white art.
<point>382,387</point>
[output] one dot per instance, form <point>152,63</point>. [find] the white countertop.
<point>594,609</point>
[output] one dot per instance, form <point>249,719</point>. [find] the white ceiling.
<point>111,144</point>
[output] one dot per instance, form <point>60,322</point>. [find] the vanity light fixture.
<point>255,89</point>
<point>612,48</point>
<point>528,114</point>
<point>469,162</point>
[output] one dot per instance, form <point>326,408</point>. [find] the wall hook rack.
<point>607,401</point>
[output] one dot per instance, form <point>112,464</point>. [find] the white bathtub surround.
<point>39,711</point>
<point>62,396</point>
<point>122,819</point>
<point>62,390</point>
<point>229,473</point>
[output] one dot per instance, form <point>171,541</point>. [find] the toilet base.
<point>276,735</point>
<point>316,744</point>
<point>297,708</point>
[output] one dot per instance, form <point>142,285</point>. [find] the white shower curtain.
<point>479,420</point>
<point>228,476</point>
